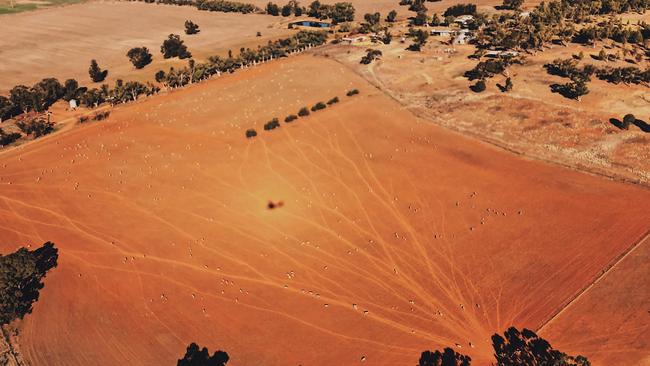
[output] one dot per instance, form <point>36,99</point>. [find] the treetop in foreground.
<point>195,356</point>
<point>21,275</point>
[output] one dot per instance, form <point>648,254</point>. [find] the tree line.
<point>216,65</point>
<point>223,6</point>
<point>580,76</point>
<point>339,12</point>
<point>303,112</point>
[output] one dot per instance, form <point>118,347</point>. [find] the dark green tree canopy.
<point>96,74</point>
<point>448,357</point>
<point>139,57</point>
<point>517,348</point>
<point>196,356</point>
<point>191,27</point>
<point>173,46</point>
<point>21,275</point>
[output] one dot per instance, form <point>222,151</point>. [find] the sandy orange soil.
<point>614,313</point>
<point>60,42</point>
<point>395,236</point>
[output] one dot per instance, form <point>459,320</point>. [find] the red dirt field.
<point>395,235</point>
<point>614,312</point>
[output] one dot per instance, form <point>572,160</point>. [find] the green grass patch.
<point>19,7</point>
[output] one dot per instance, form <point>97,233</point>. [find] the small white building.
<point>463,37</point>
<point>442,32</point>
<point>496,54</point>
<point>73,104</point>
<point>354,39</point>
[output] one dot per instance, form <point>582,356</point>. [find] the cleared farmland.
<point>395,235</point>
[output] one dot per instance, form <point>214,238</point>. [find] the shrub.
<point>21,275</point>
<point>478,87</point>
<point>290,118</point>
<point>628,120</point>
<point>318,106</point>
<point>36,127</point>
<point>287,10</point>
<point>420,38</point>
<point>333,101</point>
<point>139,57</point>
<point>250,133</point>
<point>272,9</point>
<point>160,76</point>
<point>391,16</point>
<point>8,138</point>
<point>101,116</point>
<point>96,74</point>
<point>83,119</point>
<point>272,124</point>
<point>370,56</point>
<point>173,46</point>
<point>512,4</point>
<point>191,27</point>
<point>303,112</point>
<point>352,92</point>
<point>7,108</point>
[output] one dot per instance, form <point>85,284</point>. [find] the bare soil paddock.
<point>60,42</point>
<point>395,236</point>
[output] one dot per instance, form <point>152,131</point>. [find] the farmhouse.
<point>463,36</point>
<point>463,20</point>
<point>496,54</point>
<point>355,39</point>
<point>442,32</point>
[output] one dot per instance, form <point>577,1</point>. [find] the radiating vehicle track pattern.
<point>394,236</point>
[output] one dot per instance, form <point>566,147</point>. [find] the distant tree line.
<point>223,6</point>
<point>21,275</point>
<point>338,12</point>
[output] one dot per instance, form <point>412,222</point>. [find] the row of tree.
<point>223,6</point>
<point>339,12</point>
<point>303,112</point>
<point>39,97</point>
<point>216,65</point>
